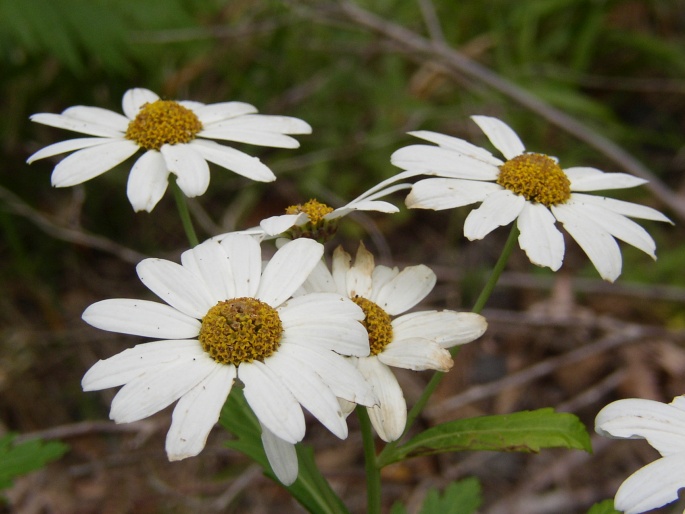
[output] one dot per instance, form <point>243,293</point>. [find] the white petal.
<point>320,280</point>
<point>189,166</point>
<point>539,238</point>
<point>99,116</point>
<point>141,318</point>
<point>382,275</point>
<point>76,125</point>
<point>133,362</point>
<point>379,194</point>
<point>500,135</point>
<point>405,290</point>
<point>650,487</point>
<point>662,425</point>
<point>234,160</point>
<point>134,99</point>
<point>364,205</point>
<point>278,224</point>
<point>435,160</point>
<point>310,390</point>
<point>312,307</point>
<point>177,286</point>
<point>267,123</point>
<point>358,281</point>
<point>339,269</point>
<point>448,193</point>
<point>197,412</point>
<point>245,259</point>
<point>338,372</point>
<point>159,387</point>
<point>192,105</point>
<point>384,188</point>
<point>446,328</point>
<point>325,320</point>
<point>212,113</point>
<point>272,402</point>
<point>91,162</point>
<point>632,210</point>
<point>597,243</point>
<point>592,179</point>
<point>147,181</point>
<point>498,209</point>
<point>259,129</point>
<point>417,354</point>
<point>288,269</point>
<point>459,145</point>
<point>346,406</point>
<point>209,261</point>
<point>66,146</point>
<point>390,416</point>
<point>622,228</point>
<point>281,455</point>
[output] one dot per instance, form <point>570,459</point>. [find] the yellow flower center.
<point>314,209</point>
<point>240,330</point>
<point>537,177</point>
<point>377,323</point>
<point>163,122</point>
<point>317,227</point>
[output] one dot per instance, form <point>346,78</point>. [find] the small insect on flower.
<point>176,137</point>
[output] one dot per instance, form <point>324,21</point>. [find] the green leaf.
<point>19,459</point>
<point>526,431</point>
<point>462,497</point>
<point>311,489</point>
<point>603,507</point>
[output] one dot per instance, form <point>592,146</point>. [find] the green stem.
<point>182,206</point>
<point>497,270</point>
<point>373,471</point>
<point>438,376</point>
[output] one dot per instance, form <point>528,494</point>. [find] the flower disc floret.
<point>377,323</point>
<point>240,330</point>
<point>314,209</point>
<point>536,177</point>
<point>318,227</point>
<point>163,122</point>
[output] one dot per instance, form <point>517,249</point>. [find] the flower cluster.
<point>294,333</point>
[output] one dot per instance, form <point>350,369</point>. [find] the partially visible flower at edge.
<point>531,189</point>
<point>416,340</point>
<point>663,426</point>
<point>318,221</point>
<point>176,138</point>
<point>226,319</point>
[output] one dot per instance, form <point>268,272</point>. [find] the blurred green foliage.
<point>618,65</point>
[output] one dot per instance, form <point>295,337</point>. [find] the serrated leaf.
<point>527,431</point>
<point>462,497</point>
<point>603,507</point>
<point>311,489</point>
<point>22,458</point>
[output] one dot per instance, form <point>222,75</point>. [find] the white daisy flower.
<point>176,137</point>
<point>415,341</point>
<point>532,189</point>
<point>316,220</point>
<point>228,319</point>
<point>663,426</point>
